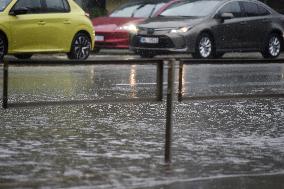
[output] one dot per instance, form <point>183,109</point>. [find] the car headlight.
<point>180,30</point>
<point>129,27</point>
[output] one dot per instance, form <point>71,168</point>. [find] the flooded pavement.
<point>216,144</point>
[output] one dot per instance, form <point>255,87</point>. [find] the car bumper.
<point>166,43</point>
<point>160,50</point>
<point>113,40</point>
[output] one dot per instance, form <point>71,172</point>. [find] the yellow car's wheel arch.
<point>3,45</point>
<point>85,36</point>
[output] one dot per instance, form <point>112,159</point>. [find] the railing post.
<point>180,84</point>
<point>5,85</point>
<point>160,80</point>
<point>169,111</point>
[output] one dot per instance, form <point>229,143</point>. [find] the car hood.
<point>112,23</point>
<point>170,22</point>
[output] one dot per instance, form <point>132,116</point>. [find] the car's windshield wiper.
<point>140,7</point>
<point>152,11</point>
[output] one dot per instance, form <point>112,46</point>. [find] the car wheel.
<point>80,48</point>
<point>3,47</point>
<point>273,46</point>
<point>23,56</point>
<point>204,47</point>
<point>146,54</point>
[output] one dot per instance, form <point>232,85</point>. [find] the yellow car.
<point>44,26</point>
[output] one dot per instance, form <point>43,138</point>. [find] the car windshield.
<point>191,9</point>
<point>138,10</point>
<point>4,4</point>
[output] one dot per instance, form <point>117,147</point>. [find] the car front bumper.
<point>113,40</point>
<point>160,50</point>
<point>167,43</point>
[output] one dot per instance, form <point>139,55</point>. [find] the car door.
<point>56,25</point>
<point>26,28</point>
<point>228,32</point>
<point>257,24</point>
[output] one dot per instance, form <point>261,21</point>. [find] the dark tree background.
<point>93,7</point>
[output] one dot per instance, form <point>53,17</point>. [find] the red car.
<point>112,32</point>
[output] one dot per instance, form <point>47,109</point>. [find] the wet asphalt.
<point>224,143</point>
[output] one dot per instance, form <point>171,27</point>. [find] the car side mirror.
<point>19,11</point>
<point>226,16</point>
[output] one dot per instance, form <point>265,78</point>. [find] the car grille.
<point>164,42</point>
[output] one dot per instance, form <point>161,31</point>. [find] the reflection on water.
<point>216,144</point>
<point>184,86</point>
<point>214,79</point>
<point>79,82</point>
<point>92,74</point>
<point>132,81</point>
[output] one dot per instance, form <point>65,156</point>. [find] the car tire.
<point>80,48</point>
<point>23,56</point>
<point>3,47</point>
<point>273,46</point>
<point>204,47</point>
<point>146,54</point>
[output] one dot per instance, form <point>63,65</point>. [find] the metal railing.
<point>159,78</point>
<point>160,63</point>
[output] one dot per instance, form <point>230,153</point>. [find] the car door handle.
<point>243,22</point>
<point>265,21</point>
<point>41,22</point>
<point>67,22</point>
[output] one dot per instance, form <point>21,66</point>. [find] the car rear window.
<point>253,9</point>
<point>262,11</point>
